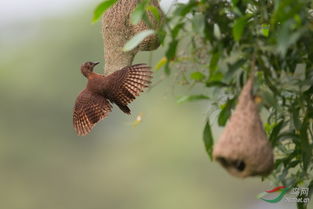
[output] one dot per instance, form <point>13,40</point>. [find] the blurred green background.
<point>160,163</point>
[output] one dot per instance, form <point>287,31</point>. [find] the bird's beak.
<point>95,63</point>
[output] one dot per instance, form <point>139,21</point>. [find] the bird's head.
<point>87,68</point>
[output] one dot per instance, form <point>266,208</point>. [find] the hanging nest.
<point>151,42</point>
<point>117,30</point>
<point>243,148</point>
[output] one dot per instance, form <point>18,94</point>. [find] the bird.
<point>121,87</point>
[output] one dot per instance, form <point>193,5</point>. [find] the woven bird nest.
<point>117,30</point>
<point>243,148</point>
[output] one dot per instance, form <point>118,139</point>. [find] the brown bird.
<point>121,87</point>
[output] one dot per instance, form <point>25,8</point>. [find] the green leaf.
<point>101,8</point>
<point>288,135</point>
<point>197,23</point>
<point>225,112</point>
<point>295,116</point>
<point>239,27</point>
<point>184,9</point>
<point>155,12</point>
<point>275,132</point>
<point>268,99</point>
<point>214,61</point>
<point>233,67</point>
<point>191,98</point>
<point>137,15</point>
<point>197,76</point>
<point>218,76</point>
<point>217,31</point>
<point>160,64</point>
<point>305,144</point>
<point>137,39</point>
<point>286,10</point>
<point>171,50</point>
<point>234,2</point>
<point>286,38</point>
<point>176,29</point>
<point>265,29</point>
<point>208,138</point>
<point>167,69</point>
<point>215,84</point>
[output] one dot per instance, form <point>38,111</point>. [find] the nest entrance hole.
<point>239,165</point>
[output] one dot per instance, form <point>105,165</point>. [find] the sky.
<point>20,9</point>
<point>14,13</point>
<point>17,10</point>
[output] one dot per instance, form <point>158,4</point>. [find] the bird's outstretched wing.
<point>88,110</point>
<point>127,83</point>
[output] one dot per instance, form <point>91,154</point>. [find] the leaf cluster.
<point>219,43</point>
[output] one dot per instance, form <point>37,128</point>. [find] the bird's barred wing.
<point>131,80</point>
<point>88,110</point>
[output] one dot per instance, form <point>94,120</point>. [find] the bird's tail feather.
<point>138,77</point>
<point>132,81</point>
<point>124,108</point>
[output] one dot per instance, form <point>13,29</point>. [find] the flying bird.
<point>95,102</point>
